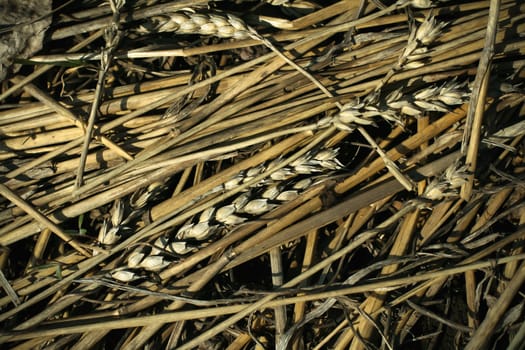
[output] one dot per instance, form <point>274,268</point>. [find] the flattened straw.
<point>470,296</point>
<point>238,234</point>
<point>169,141</point>
<point>169,317</point>
<point>391,166</point>
<point>133,15</point>
<point>440,319</point>
<point>112,36</point>
<point>343,208</point>
<point>363,288</point>
<point>216,267</point>
<point>276,265</point>
<point>91,123</point>
<point>373,303</point>
<point>440,214</point>
<point>352,280</point>
<point>161,224</point>
<point>476,109</point>
<point>342,325</point>
<point>495,202</point>
<point>410,143</point>
<point>511,268</point>
<point>292,283</point>
<point>483,333</point>
<point>87,204</point>
<point>146,333</point>
<point>40,246</point>
<point>86,265</point>
<point>48,101</point>
<point>207,154</point>
<point>363,216</point>
<point>9,289</point>
<point>252,79</point>
<point>430,288</point>
<point>308,258</point>
<point>121,120</point>
<point>182,181</point>
<point>310,19</point>
<point>519,339</point>
<point>54,307</point>
<point>240,342</point>
<point>22,204</point>
<point>192,271</point>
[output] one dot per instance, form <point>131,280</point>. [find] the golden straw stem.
<point>18,201</point>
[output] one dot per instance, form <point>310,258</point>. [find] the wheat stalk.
<point>112,36</point>
<point>353,279</point>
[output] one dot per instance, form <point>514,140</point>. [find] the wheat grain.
<point>154,263</point>
<point>288,195</point>
<point>258,206</point>
<point>177,247</point>
<point>140,197</point>
<point>117,212</point>
<point>135,257</point>
<point>226,216</point>
<point>124,275</point>
<point>108,236</point>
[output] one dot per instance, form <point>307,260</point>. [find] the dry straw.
<point>246,174</point>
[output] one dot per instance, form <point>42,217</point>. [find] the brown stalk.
<point>236,118</point>
<point>409,144</point>
<point>266,301</point>
<point>43,220</point>
<point>485,330</point>
<point>511,268</point>
<point>476,108</point>
<point>373,303</point>
<point>144,336</point>
<point>308,259</point>
<point>48,101</point>
<point>441,212</point>
<point>134,15</point>
<point>276,265</point>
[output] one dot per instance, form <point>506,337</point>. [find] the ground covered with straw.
<point>262,174</point>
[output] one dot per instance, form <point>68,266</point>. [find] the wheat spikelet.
<point>260,198</point>
<point>419,41</point>
<point>397,103</point>
<point>122,214</point>
<point>270,189</point>
<point>447,184</point>
<point>416,49</point>
<point>108,233</point>
<point>190,22</point>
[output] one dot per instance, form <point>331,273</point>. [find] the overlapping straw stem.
<point>265,174</point>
